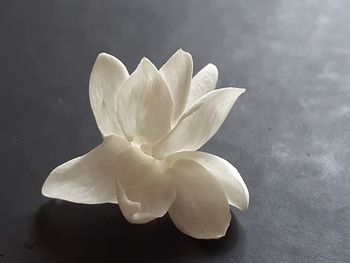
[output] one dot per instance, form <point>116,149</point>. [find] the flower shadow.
<point>82,233</point>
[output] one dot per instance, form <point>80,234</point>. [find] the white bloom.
<point>152,123</point>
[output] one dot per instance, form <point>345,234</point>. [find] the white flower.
<point>152,123</point>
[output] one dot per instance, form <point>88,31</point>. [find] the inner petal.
<point>144,105</point>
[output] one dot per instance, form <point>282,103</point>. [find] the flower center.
<point>147,149</point>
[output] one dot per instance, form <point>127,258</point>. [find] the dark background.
<point>289,134</point>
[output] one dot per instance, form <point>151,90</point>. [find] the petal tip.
<point>239,90</point>
<point>236,92</point>
<point>184,54</point>
<point>144,61</point>
<point>244,205</point>
<point>243,90</point>
<point>106,56</point>
<point>180,50</point>
<point>103,54</point>
<point>45,190</point>
<point>215,71</point>
<point>213,66</point>
<point>147,63</point>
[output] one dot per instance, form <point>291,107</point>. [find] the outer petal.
<point>228,177</point>
<point>177,73</point>
<point>106,77</point>
<point>203,82</point>
<point>88,179</point>
<point>144,104</point>
<point>199,123</point>
<point>200,209</point>
<point>145,188</point>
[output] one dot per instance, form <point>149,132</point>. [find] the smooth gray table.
<point>289,134</point>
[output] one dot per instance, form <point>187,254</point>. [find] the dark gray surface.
<point>289,134</point>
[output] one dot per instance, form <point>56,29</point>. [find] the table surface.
<point>289,134</point>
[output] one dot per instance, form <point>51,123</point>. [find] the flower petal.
<point>200,209</point>
<point>147,187</point>
<point>228,177</point>
<point>90,178</point>
<point>177,73</point>
<point>106,77</point>
<point>199,123</point>
<point>203,82</point>
<point>144,104</point>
